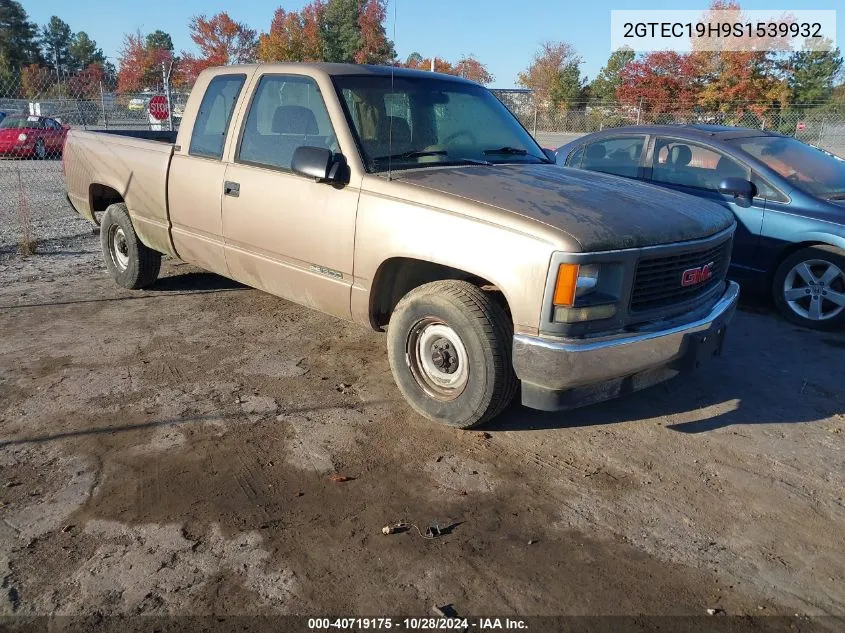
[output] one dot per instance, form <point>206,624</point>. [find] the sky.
<point>503,34</point>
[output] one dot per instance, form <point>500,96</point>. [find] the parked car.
<point>416,202</point>
<point>29,136</point>
<point>788,198</point>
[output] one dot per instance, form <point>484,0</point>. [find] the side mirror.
<point>737,187</point>
<point>318,163</point>
<point>550,154</point>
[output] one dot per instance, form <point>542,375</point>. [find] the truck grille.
<point>658,280</point>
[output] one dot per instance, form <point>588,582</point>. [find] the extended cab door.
<point>286,234</point>
<point>197,170</point>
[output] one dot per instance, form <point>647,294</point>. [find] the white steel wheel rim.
<point>815,290</point>
<point>118,248</point>
<point>437,358</point>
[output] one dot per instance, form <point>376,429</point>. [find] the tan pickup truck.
<point>416,203</point>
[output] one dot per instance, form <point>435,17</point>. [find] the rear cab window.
<point>212,122</point>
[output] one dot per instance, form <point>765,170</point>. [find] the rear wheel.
<point>129,262</point>
<point>809,288</point>
<point>449,345</point>
<point>40,149</point>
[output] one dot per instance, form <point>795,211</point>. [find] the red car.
<point>29,136</point>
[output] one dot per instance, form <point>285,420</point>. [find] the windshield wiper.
<point>413,154</point>
<point>507,151</point>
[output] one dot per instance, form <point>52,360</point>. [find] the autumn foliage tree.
<point>294,36</point>
<point>554,75</point>
<point>86,84</point>
<point>375,48</point>
<point>660,82</point>
<point>36,81</point>
<point>221,41</point>
<point>139,63</point>
<point>472,69</point>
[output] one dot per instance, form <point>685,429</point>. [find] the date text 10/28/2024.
<point>417,624</point>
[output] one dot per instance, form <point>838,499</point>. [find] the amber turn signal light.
<point>566,285</point>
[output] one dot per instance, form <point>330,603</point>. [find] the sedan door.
<point>286,234</point>
<point>698,169</point>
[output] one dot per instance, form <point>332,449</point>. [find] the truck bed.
<point>105,166</point>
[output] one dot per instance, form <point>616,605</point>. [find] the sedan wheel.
<point>810,288</point>
<point>40,150</point>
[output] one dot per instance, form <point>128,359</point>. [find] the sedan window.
<point>692,165</point>
<point>619,155</point>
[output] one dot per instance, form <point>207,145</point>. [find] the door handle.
<point>232,188</point>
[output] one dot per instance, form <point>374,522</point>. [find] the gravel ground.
<point>172,452</point>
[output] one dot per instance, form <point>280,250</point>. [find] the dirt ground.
<point>171,451</point>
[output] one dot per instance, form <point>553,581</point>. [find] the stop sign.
<point>158,108</point>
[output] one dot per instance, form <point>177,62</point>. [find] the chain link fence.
<point>37,108</point>
<point>819,125</point>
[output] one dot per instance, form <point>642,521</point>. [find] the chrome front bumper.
<point>564,373</point>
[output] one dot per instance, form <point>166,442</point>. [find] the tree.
<point>813,72</point>
<point>472,69</point>
<point>56,38</point>
<point>417,62</point>
<point>36,81</point>
<point>341,33</point>
<point>134,67</point>
<point>83,51</point>
<point>159,40</point>
<point>738,81</point>
<point>662,81</point>
<point>554,75</point>
<point>86,83</point>
<point>603,87</point>
<point>18,45</point>
<point>375,47</point>
<point>221,41</point>
<point>293,36</point>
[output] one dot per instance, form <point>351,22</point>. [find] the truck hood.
<point>601,212</point>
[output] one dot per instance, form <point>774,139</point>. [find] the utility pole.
<point>433,59</point>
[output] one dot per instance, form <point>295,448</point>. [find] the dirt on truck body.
<point>417,203</point>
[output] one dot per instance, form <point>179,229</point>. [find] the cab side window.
<point>692,165</point>
<point>215,113</point>
<point>618,155</point>
<point>765,190</point>
<point>286,112</point>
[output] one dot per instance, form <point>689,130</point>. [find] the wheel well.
<point>788,251</point>
<point>100,197</point>
<point>397,276</point>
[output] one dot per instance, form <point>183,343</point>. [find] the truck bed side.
<point>103,168</point>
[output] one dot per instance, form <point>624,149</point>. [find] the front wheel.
<point>132,264</point>
<point>809,288</point>
<point>449,346</point>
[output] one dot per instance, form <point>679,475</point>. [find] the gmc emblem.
<point>698,275</point>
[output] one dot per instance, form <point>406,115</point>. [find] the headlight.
<point>586,292</point>
<point>575,281</point>
<point>21,138</point>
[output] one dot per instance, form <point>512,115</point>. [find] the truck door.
<point>285,234</point>
<point>195,183</point>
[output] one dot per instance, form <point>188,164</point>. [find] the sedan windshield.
<point>18,123</point>
<point>408,122</point>
<point>806,167</point>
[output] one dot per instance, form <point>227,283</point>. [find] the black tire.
<point>129,262</point>
<point>819,259</point>
<point>484,342</point>
<point>40,151</point>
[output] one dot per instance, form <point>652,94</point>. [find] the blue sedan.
<point>788,198</point>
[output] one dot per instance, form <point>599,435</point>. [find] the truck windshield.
<point>806,167</point>
<point>409,122</point>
